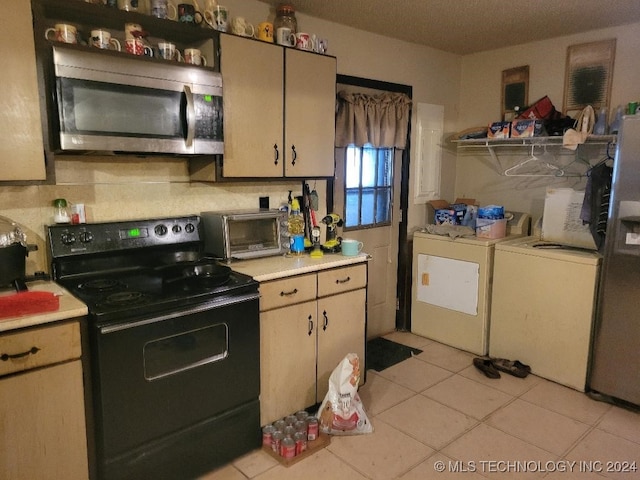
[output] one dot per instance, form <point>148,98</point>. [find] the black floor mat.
<point>383,353</point>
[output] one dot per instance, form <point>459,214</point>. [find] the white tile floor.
<point>438,417</point>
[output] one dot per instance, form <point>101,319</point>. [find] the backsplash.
<point>128,189</point>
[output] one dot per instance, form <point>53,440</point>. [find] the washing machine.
<point>451,286</point>
<point>542,308</point>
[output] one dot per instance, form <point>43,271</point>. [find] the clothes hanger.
<point>544,168</point>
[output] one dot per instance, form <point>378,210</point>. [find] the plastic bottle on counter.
<point>60,211</point>
<point>600,128</point>
<point>295,226</point>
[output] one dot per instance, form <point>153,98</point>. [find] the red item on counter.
<point>28,303</point>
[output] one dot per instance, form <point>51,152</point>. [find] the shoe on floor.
<point>512,367</point>
<point>486,367</point>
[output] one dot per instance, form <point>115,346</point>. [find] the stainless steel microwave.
<point>123,103</point>
<point>244,234</point>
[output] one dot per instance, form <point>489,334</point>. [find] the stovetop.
<point>138,268</point>
<point>146,291</point>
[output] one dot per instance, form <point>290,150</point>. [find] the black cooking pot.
<point>12,263</point>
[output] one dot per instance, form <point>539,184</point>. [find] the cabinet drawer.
<point>341,280</point>
<point>287,291</point>
<point>39,347</point>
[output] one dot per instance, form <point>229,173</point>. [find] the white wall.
<point>480,89</point>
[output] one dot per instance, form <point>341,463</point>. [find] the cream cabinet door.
<point>310,98</point>
<point>341,330</point>
<point>21,149</point>
<point>252,84</point>
<point>43,432</point>
<point>287,360</point>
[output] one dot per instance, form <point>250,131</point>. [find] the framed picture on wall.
<point>515,91</point>
<point>588,76</point>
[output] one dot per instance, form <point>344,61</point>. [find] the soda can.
<point>279,424</point>
<point>290,419</point>
<point>267,433</point>
<point>276,441</point>
<point>289,430</point>
<point>301,442</point>
<point>288,448</point>
<point>300,426</point>
<point>312,428</point>
<point>302,415</point>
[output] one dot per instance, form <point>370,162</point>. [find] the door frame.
<point>403,288</point>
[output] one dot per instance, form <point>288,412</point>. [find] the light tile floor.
<point>438,417</point>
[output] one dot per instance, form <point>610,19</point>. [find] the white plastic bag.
<point>342,412</point>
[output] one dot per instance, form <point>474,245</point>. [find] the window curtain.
<point>380,120</point>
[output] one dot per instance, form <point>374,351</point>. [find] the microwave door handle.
<point>191,116</point>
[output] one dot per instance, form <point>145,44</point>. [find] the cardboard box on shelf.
<point>526,128</point>
<point>499,130</point>
<point>442,212</point>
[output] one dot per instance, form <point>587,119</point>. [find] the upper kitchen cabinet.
<point>21,150</point>
<point>279,111</point>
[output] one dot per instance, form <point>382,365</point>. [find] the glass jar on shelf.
<point>285,17</point>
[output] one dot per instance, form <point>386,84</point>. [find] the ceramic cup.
<point>350,248</point>
<point>304,41</point>
<point>135,46</point>
<point>188,14</point>
<point>220,18</point>
<point>285,37</point>
<point>264,32</point>
<point>163,9</point>
<point>62,32</point>
<point>131,5</point>
<point>194,57</point>
<point>240,26</point>
<point>102,39</point>
<point>168,51</point>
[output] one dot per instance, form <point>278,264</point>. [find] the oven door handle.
<point>191,116</point>
<point>218,303</point>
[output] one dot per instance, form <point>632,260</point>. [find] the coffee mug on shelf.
<point>194,56</point>
<point>285,37</point>
<point>132,5</point>
<point>62,32</point>
<point>241,27</point>
<point>351,248</point>
<point>168,51</point>
<point>264,32</point>
<point>163,9</point>
<point>220,18</point>
<point>188,14</point>
<point>102,39</point>
<point>136,46</point>
<point>304,41</point>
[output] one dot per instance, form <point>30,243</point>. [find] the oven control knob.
<point>86,237</point>
<point>176,229</point>
<point>189,228</point>
<point>68,238</point>
<point>161,230</point>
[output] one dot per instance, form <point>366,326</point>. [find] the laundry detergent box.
<point>441,212</point>
<point>499,130</point>
<point>526,127</point>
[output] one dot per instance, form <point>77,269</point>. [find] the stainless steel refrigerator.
<point>615,362</point>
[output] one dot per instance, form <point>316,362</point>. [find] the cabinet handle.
<point>346,280</point>
<point>5,356</point>
<point>191,116</point>
<point>288,294</point>
<point>326,320</point>
<point>294,155</point>
<point>310,325</point>
<point>276,154</point>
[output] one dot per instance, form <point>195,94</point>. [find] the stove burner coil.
<point>125,298</point>
<point>100,285</point>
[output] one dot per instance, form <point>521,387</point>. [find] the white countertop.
<point>272,268</point>
<point>70,307</point>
